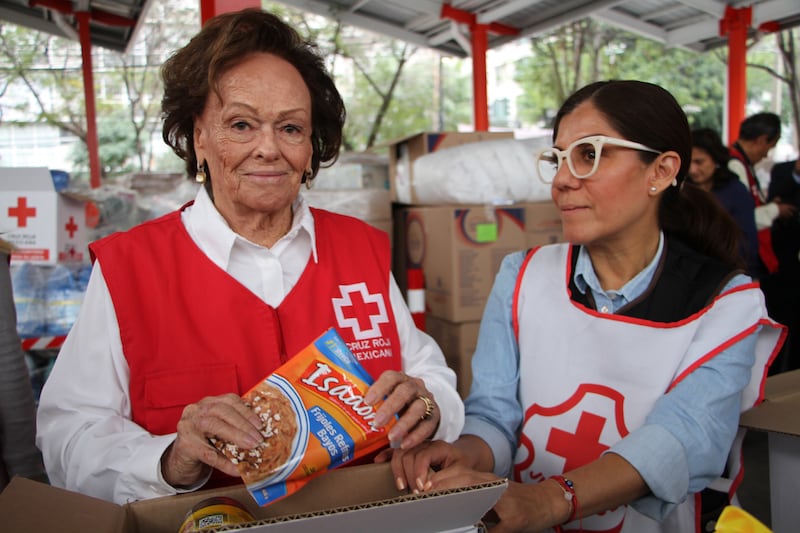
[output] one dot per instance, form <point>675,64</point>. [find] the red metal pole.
<point>88,94</point>
<point>211,8</point>
<point>735,25</point>
<point>480,40</point>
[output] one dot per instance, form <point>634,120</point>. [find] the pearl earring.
<point>653,188</point>
<point>200,175</point>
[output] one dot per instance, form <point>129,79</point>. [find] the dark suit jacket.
<point>782,184</point>
<point>785,232</point>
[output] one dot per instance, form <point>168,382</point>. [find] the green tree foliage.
<point>46,76</point>
<point>777,69</point>
<point>587,51</point>
<point>117,142</point>
<point>390,89</point>
<point>47,70</point>
<point>696,80</point>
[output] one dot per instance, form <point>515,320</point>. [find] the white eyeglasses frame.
<point>597,141</point>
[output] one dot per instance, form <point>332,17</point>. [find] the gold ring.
<point>429,407</point>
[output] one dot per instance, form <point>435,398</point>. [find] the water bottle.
<point>27,282</point>
<point>64,298</point>
<point>82,276</point>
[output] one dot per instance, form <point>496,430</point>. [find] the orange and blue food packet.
<point>314,419</point>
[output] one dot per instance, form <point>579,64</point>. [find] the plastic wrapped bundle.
<point>64,296</point>
<point>27,281</point>
<point>488,172</point>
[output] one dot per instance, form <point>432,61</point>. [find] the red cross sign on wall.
<point>71,227</point>
<point>22,212</point>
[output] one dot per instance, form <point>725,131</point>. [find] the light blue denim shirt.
<point>684,442</point>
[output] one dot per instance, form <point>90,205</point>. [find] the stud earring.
<point>674,182</point>
<point>200,175</point>
<point>653,189</point>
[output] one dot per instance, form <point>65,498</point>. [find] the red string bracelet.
<point>569,494</point>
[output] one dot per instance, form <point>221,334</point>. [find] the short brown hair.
<point>193,71</point>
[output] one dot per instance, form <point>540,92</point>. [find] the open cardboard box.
<point>779,416</point>
<point>357,498</point>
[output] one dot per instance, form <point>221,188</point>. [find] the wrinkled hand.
<point>403,398</point>
<point>225,417</point>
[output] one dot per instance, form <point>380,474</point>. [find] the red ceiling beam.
<point>479,35</point>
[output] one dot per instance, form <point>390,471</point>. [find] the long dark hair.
<point>646,113</point>
<point>192,73</point>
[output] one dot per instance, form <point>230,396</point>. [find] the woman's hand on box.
<point>225,417</point>
<point>440,465</point>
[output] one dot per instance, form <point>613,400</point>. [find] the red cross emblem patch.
<point>360,311</point>
<point>570,434</point>
<point>563,437</point>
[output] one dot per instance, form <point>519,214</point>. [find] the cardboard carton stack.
<point>458,247</point>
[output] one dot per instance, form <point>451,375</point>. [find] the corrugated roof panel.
<point>692,24</point>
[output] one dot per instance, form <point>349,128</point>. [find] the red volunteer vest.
<point>765,250</point>
<point>189,330</point>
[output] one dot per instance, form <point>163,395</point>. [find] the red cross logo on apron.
<point>563,437</point>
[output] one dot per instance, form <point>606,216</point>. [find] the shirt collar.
<point>217,239</point>
<point>585,276</point>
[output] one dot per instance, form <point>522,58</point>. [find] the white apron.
<point>587,379</point>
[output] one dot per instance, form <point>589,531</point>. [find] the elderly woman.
<point>185,313</point>
<point>709,171</point>
<point>610,371</point>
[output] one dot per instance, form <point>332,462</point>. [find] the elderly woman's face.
<point>256,139</point>
<point>614,202</point>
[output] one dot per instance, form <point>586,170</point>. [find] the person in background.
<point>709,171</point>
<point>18,453</point>
<point>783,288</point>
<point>610,370</point>
<point>758,134</point>
<point>185,313</point>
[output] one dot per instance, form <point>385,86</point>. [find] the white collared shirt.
<point>269,273</point>
<point>85,432</point>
